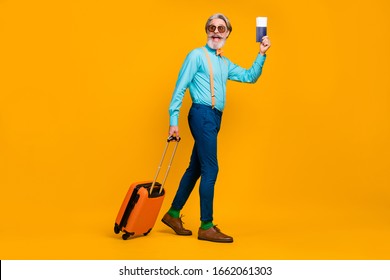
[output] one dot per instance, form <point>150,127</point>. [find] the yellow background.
<point>304,153</point>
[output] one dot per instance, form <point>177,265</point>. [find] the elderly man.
<point>205,73</point>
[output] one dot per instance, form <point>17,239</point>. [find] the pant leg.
<point>188,181</point>
<point>204,125</point>
<point>205,134</point>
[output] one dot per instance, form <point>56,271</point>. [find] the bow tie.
<point>219,52</point>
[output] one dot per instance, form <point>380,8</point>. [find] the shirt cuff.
<point>261,58</point>
<point>173,120</point>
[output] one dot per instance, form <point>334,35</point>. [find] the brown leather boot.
<point>176,224</point>
<point>214,234</point>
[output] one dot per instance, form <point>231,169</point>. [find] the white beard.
<point>216,46</point>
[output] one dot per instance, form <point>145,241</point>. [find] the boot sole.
<point>218,241</point>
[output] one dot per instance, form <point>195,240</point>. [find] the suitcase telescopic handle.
<point>169,140</point>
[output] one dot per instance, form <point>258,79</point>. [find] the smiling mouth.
<point>216,37</point>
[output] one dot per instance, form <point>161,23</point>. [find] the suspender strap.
<point>211,79</point>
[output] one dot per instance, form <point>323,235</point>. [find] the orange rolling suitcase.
<point>142,203</point>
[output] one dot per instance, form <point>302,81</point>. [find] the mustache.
<point>216,36</point>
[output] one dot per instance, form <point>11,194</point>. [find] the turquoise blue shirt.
<point>195,75</point>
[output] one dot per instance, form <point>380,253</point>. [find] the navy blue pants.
<point>204,123</point>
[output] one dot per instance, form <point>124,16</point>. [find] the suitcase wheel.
<point>116,228</point>
<point>126,235</point>
<point>146,233</point>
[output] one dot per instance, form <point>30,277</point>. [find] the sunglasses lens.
<point>211,28</point>
<point>221,29</point>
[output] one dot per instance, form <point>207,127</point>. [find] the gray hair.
<point>220,16</point>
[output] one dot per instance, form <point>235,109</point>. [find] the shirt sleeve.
<point>186,75</point>
<point>251,75</point>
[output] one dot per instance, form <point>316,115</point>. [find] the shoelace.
<point>181,220</point>
<point>217,229</point>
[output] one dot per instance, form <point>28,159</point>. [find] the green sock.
<point>174,213</point>
<point>206,225</point>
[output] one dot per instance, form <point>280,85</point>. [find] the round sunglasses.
<point>221,28</point>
